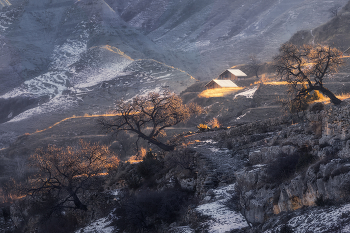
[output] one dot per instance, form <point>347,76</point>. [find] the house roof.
<point>236,72</point>
<point>223,83</point>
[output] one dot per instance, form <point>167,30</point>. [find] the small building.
<point>232,74</point>
<point>215,83</point>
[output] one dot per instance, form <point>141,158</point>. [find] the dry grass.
<point>214,123</point>
<point>276,83</point>
<point>139,157</point>
<point>326,100</point>
<point>219,92</point>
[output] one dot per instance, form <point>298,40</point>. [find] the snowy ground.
<point>222,219</point>
<point>329,219</point>
<point>248,93</point>
<point>99,226</point>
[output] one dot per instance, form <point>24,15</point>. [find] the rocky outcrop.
<point>324,179</point>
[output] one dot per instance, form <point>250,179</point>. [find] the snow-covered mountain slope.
<point>56,55</point>
<point>53,54</point>
<point>218,34</point>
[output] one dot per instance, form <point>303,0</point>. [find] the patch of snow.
<point>53,82</point>
<point>5,20</point>
<point>115,192</point>
<point>195,46</point>
<point>105,74</point>
<point>248,93</point>
<point>321,220</point>
<point>164,76</point>
<point>68,53</point>
<point>209,141</point>
<point>213,149</point>
<point>259,165</point>
<point>182,229</point>
<point>241,116</point>
<point>222,218</point>
<point>50,83</point>
<point>99,226</point>
<point>57,103</point>
<point>145,92</point>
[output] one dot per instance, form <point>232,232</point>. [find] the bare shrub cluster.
<point>287,164</point>
<point>147,211</point>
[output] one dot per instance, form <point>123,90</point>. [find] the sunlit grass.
<point>139,157</point>
<point>326,100</point>
<point>219,92</point>
<point>75,117</point>
<point>276,83</point>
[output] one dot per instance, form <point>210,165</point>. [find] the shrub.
<point>133,180</point>
<point>229,145</point>
<point>203,127</point>
<point>59,223</point>
<point>301,103</point>
<point>185,159</point>
<point>304,157</point>
<point>320,201</point>
<point>149,165</point>
<point>286,229</point>
<point>315,128</point>
<point>281,168</point>
<point>317,107</point>
<point>214,123</point>
<point>146,210</point>
<point>286,165</point>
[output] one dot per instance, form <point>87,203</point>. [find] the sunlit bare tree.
<point>305,68</point>
<point>65,173</point>
<point>148,116</point>
<point>254,65</point>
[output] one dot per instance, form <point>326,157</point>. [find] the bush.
<point>184,159</point>
<point>149,166</point>
<point>286,165</point>
<point>301,103</point>
<point>286,229</point>
<point>133,180</point>
<point>281,168</point>
<point>146,210</point>
<point>59,223</point>
<point>214,123</point>
<point>203,127</point>
<point>317,107</point>
<point>320,201</point>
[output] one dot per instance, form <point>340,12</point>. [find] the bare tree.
<point>254,65</point>
<point>148,116</point>
<point>305,68</point>
<point>334,10</point>
<point>65,173</point>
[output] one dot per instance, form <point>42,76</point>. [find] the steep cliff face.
<point>306,164</point>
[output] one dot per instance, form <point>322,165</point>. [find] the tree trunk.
<point>157,143</point>
<point>77,201</point>
<point>328,93</point>
<point>161,145</point>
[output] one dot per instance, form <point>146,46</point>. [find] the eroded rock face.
<point>325,179</point>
